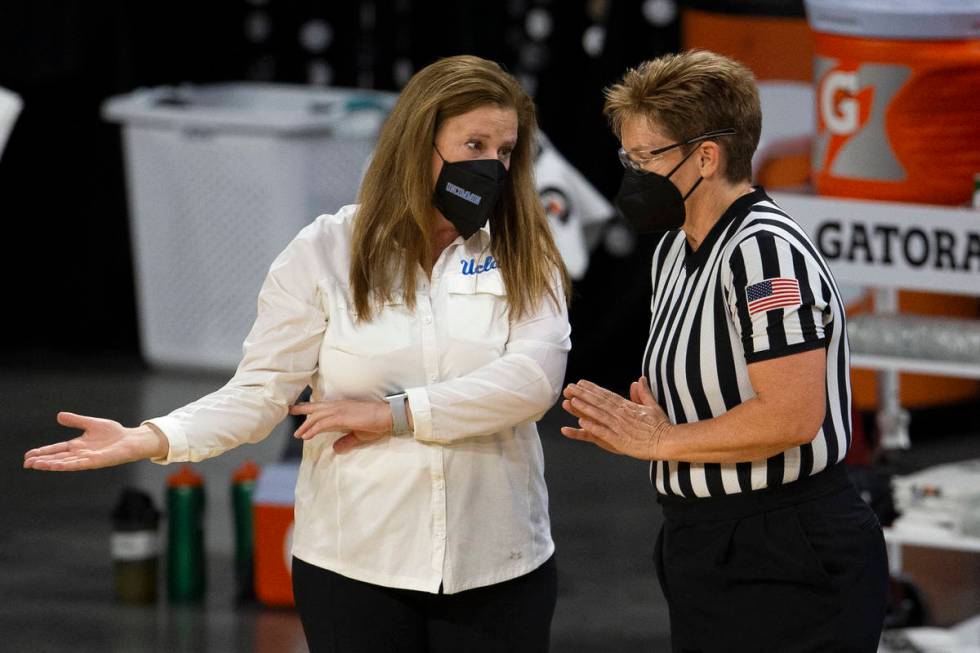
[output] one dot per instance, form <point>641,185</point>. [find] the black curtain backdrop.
<point>67,261</point>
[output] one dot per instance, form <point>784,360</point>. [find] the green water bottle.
<point>242,489</point>
<point>185,536</point>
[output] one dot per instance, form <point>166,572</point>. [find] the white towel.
<point>571,203</point>
<point>10,106</point>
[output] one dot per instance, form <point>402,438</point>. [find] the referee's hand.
<point>631,427</point>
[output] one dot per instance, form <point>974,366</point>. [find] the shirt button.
<point>433,378</point>
<point>428,319</point>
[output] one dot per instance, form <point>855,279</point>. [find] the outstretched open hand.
<point>103,443</point>
<point>632,427</point>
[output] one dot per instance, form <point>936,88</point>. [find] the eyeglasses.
<point>652,155</point>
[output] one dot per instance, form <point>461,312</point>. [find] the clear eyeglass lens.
<point>628,162</point>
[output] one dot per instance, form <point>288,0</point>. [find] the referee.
<point>743,406</point>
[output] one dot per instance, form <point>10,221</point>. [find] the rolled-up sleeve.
<point>519,386</point>
<point>280,358</point>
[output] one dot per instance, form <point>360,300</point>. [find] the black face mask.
<point>649,202</point>
<point>467,192</point>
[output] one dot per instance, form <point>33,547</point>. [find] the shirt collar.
<point>737,210</point>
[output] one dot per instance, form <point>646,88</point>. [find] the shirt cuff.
<point>788,350</point>
<point>179,450</point>
<point>418,403</point>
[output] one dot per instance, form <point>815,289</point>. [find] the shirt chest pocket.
<point>478,310</point>
<point>391,328</point>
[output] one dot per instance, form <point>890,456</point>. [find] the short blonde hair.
<point>689,94</point>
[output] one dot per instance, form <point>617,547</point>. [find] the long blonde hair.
<point>396,214</point>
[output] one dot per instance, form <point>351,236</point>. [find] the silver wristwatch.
<point>399,412</point>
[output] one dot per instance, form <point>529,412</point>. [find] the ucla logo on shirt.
<point>470,266</point>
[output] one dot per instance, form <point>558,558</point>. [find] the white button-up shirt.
<point>463,503</point>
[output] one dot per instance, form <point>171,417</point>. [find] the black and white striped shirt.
<point>755,289</point>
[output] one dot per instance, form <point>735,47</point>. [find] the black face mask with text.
<point>467,192</point>
<point>650,203</point>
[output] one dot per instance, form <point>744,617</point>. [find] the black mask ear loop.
<point>675,168</point>
<point>696,184</point>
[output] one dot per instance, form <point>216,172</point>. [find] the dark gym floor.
<point>56,573</point>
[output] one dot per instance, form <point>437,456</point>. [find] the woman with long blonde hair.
<point>430,321</point>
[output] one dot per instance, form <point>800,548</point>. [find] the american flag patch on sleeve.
<point>768,294</point>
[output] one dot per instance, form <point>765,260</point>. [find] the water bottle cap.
<point>135,511</point>
<point>248,471</point>
<point>186,477</point>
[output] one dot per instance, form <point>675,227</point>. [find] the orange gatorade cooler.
<point>771,38</point>
<point>775,42</point>
<point>898,118</point>
<point>273,521</point>
<point>896,87</point>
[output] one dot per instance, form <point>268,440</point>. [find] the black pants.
<point>795,568</point>
<point>341,615</point>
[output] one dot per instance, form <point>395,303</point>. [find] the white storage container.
<point>220,178</point>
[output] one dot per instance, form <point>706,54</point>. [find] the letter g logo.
<point>852,141</point>
<point>841,119</point>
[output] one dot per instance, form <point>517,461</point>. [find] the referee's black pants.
<point>794,568</point>
<point>342,615</point>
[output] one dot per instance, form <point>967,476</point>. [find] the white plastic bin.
<point>220,178</point>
